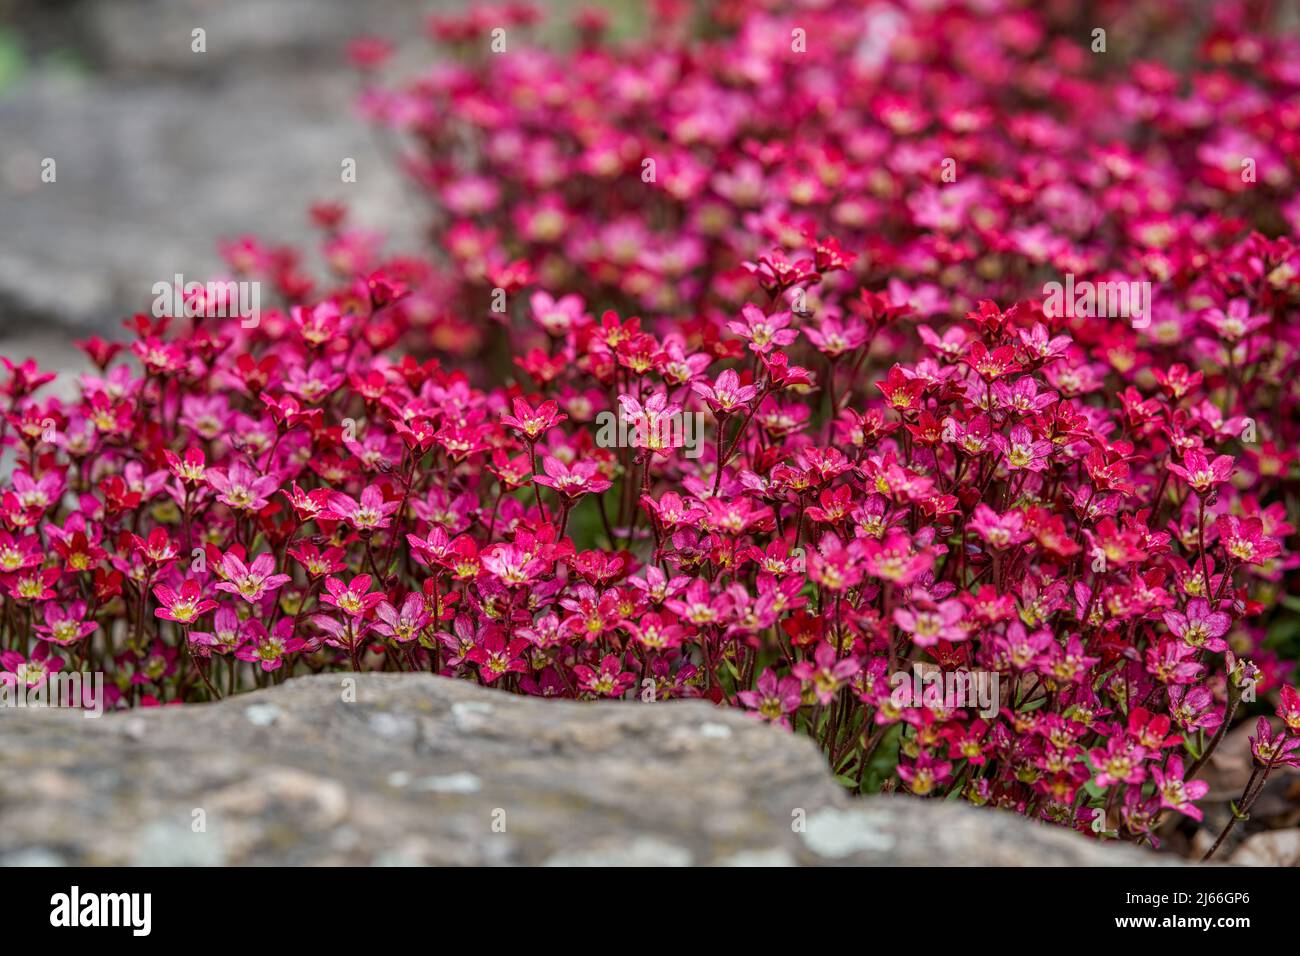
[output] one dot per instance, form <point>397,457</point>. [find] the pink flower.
<point>1177,793</point>
<point>1200,473</point>
<point>574,480</point>
<point>924,774</point>
<point>774,699</point>
<point>1012,488</point>
<point>608,680</point>
<point>1200,627</point>
<point>929,623</point>
<point>1021,450</point>
<point>352,598</point>
<point>1236,322</point>
<point>497,657</point>
<point>1169,662</point>
<point>512,565</point>
<point>37,494</point>
<point>1120,761</point>
<point>318,563</point>
<point>827,672</point>
<point>370,514</point>
<point>1245,541</point>
<point>251,582</point>
<point>405,625</point>
<point>1270,750</point>
<point>1151,730</point>
<point>66,625</point>
<point>183,607</point>
<point>241,488</point>
<point>556,316</point>
<point>29,671</point>
<point>834,565</point>
<point>227,634</point>
<point>1192,707</point>
<point>1000,531</point>
<point>763,332</point>
<point>1289,708</point>
<point>833,338</point>
<point>531,422</point>
<point>19,552</point>
<point>726,395</point>
<point>269,649</point>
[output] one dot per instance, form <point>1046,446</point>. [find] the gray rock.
<point>160,151</point>
<point>427,770</point>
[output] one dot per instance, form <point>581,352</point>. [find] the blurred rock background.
<point>161,151</point>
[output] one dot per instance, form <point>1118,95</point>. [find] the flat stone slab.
<point>416,769</point>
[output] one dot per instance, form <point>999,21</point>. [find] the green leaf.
<point>12,62</point>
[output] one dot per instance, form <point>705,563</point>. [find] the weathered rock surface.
<point>419,769</point>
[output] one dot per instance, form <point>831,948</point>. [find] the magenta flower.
<point>556,316</point>
<point>318,563</point>
<point>833,338</point>
<point>1289,708</point>
<point>654,425</point>
<point>37,494</point>
<point>227,634</point>
<point>978,471</point>
<point>1236,322</point>
<point>19,552</point>
<point>834,565</point>
<point>1173,662</point>
<point>1000,531</point>
<point>512,565</point>
<point>924,774</point>
<point>1021,450</point>
<point>1245,541</point>
<point>1193,708</point>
